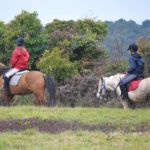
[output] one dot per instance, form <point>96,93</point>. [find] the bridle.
<point>102,90</point>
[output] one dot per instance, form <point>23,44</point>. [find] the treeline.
<point>60,48</point>
<point>65,49</point>
<point>121,34</point>
<point>124,32</point>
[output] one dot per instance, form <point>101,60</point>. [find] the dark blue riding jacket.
<point>136,63</point>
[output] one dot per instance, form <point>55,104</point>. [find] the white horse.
<point>140,94</point>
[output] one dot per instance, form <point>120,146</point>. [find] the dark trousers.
<point>6,85</point>
<point>123,85</point>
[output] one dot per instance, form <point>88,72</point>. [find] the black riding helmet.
<point>133,47</point>
<point>20,41</point>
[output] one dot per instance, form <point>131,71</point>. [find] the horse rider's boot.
<point>6,85</point>
<point>124,92</point>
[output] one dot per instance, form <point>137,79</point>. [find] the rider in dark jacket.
<point>135,71</point>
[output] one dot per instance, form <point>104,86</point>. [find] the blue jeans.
<point>127,79</point>
<point>123,83</point>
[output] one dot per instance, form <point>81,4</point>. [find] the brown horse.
<point>41,85</point>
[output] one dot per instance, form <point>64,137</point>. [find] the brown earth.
<point>57,126</point>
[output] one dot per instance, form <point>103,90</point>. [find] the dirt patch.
<point>57,126</point>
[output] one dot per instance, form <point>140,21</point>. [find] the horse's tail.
<point>50,90</point>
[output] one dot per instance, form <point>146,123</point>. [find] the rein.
<point>115,90</point>
<point>102,89</point>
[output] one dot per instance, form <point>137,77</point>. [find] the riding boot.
<point>124,92</point>
<point>6,85</point>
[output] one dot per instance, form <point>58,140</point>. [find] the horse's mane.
<point>2,65</point>
<point>3,68</point>
<point>117,76</point>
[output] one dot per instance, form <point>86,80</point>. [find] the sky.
<point>104,10</point>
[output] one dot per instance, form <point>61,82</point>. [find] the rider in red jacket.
<point>19,61</point>
<point>20,58</point>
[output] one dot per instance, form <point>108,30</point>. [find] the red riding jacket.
<point>20,58</point>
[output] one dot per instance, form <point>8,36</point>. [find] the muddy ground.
<point>58,126</point>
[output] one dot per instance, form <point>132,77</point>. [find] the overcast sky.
<point>110,10</point>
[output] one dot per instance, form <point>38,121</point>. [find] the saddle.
<point>14,80</point>
<point>131,86</point>
<point>134,84</point>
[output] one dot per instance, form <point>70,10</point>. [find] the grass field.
<point>132,129</point>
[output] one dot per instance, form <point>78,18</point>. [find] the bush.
<point>144,48</point>
<point>57,65</point>
<point>118,66</point>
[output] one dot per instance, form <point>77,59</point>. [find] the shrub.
<point>57,65</point>
<point>118,66</point>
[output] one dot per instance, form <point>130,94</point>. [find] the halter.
<point>102,90</point>
<point>103,87</point>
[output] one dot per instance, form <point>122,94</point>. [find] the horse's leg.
<point>127,104</point>
<point>40,99</point>
<point>5,99</point>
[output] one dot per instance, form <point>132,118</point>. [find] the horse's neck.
<point>111,85</point>
<point>112,82</point>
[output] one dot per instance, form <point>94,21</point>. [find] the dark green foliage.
<point>144,48</point>
<point>126,32</point>
<point>57,65</point>
<point>2,42</point>
<point>28,26</point>
<point>117,66</point>
<point>81,40</point>
<point>78,40</point>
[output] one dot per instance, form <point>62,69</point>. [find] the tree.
<point>28,26</point>
<point>144,48</point>
<point>81,40</point>
<point>117,51</point>
<point>2,42</point>
<point>57,65</point>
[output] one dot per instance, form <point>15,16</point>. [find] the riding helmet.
<point>20,41</point>
<point>133,47</point>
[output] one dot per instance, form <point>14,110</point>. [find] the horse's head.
<point>108,84</point>
<point>3,68</point>
<point>101,93</point>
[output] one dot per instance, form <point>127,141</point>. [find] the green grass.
<point>80,140</point>
<point>32,139</point>
<point>85,115</point>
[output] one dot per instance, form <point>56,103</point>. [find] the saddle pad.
<point>133,85</point>
<point>22,72</point>
<point>15,79</point>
